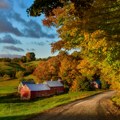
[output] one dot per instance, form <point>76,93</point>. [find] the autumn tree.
<point>93,26</point>
<point>68,69</point>
<point>48,70</point>
<point>81,83</point>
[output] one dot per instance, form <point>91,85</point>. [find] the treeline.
<point>30,56</point>
<point>75,71</point>
<point>12,68</point>
<point>16,68</point>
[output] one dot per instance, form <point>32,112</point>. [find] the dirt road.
<point>98,107</point>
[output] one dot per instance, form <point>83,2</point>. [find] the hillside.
<point>9,68</point>
<point>33,63</point>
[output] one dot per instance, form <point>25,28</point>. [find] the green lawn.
<point>7,67</point>
<point>12,108</point>
<point>8,86</point>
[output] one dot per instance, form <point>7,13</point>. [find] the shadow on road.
<point>61,117</point>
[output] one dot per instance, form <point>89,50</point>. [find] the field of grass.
<point>33,63</point>
<point>8,86</point>
<point>12,108</point>
<point>7,67</point>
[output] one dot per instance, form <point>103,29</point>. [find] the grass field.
<point>7,67</point>
<point>33,63</point>
<point>12,108</point>
<point>9,86</point>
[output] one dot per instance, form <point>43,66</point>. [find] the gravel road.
<point>97,107</point>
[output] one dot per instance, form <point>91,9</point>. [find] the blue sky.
<point>20,33</point>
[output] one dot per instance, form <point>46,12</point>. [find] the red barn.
<point>55,86</point>
<point>22,83</point>
<point>29,91</point>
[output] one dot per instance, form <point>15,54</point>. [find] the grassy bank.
<point>116,99</point>
<point>12,108</point>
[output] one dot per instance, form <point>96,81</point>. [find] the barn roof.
<point>27,82</point>
<point>54,83</point>
<point>37,87</point>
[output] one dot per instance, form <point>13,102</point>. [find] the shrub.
<point>80,84</point>
<point>19,74</point>
<point>116,99</point>
<point>105,84</point>
<point>6,77</point>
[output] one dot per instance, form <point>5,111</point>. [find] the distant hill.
<point>9,68</point>
<point>10,56</point>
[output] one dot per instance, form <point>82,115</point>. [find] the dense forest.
<point>93,27</point>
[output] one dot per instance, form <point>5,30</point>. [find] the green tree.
<point>80,84</point>
<point>23,59</point>
<point>30,56</point>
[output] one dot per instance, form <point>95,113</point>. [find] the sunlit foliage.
<point>93,26</point>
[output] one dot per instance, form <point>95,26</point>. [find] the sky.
<point>21,33</point>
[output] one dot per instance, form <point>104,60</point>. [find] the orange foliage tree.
<point>93,26</point>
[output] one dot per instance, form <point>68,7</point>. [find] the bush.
<point>80,84</point>
<point>116,99</point>
<point>29,70</point>
<point>19,74</point>
<point>105,84</point>
<point>6,77</point>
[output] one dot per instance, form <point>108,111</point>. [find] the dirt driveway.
<point>97,107</point>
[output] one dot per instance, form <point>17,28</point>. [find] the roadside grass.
<point>12,108</point>
<point>116,99</point>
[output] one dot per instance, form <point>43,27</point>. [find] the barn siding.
<point>25,93</point>
<point>57,90</point>
<point>44,93</point>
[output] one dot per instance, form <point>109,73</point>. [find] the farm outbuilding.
<point>30,91</point>
<point>55,86</point>
<point>22,83</point>
<point>96,84</point>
